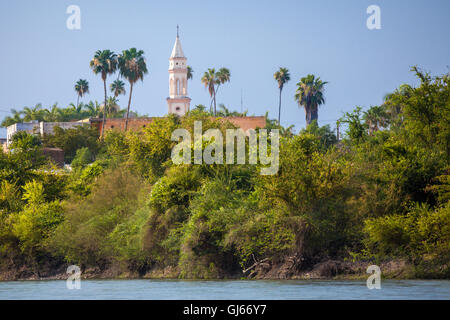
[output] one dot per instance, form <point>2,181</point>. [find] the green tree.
<point>81,87</point>
<point>309,94</point>
<point>82,158</point>
<point>14,118</point>
<point>133,67</point>
<point>213,80</point>
<point>150,149</point>
<point>324,133</point>
<point>85,235</point>
<point>225,112</point>
<point>422,231</point>
<point>282,76</point>
<point>24,141</point>
<point>92,108</point>
<point>70,140</point>
<point>190,73</point>
<point>118,87</point>
<point>55,114</point>
<point>426,111</point>
<point>222,76</point>
<point>20,164</point>
<point>104,63</point>
<point>75,112</point>
<point>375,118</point>
<point>209,79</point>
<point>35,113</point>
<point>200,108</point>
<point>112,107</point>
<point>356,127</point>
<point>35,224</point>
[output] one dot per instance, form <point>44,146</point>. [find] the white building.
<point>178,101</point>
<point>30,127</point>
<point>36,127</point>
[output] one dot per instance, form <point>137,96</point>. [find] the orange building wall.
<point>135,124</point>
<point>246,123</point>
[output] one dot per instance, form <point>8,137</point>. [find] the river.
<point>228,290</point>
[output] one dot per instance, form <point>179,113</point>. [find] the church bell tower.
<point>178,101</point>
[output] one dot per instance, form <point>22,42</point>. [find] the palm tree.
<point>104,62</point>
<point>282,76</point>
<point>309,94</point>
<point>111,107</point>
<point>392,105</point>
<point>55,114</point>
<point>190,73</point>
<point>376,117</point>
<point>10,120</point>
<point>74,112</point>
<point>35,113</point>
<point>81,87</point>
<point>225,112</point>
<point>223,76</point>
<point>132,67</point>
<point>118,87</point>
<point>92,108</point>
<point>209,79</point>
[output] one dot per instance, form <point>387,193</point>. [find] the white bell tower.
<point>178,100</point>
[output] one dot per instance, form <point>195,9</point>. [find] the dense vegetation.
<point>382,192</point>
<point>64,114</point>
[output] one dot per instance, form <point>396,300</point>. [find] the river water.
<point>227,290</point>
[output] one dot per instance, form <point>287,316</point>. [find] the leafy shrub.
<point>70,140</point>
<point>84,235</point>
<point>36,223</point>
<point>82,158</point>
<point>421,232</point>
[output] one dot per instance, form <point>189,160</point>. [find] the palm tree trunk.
<point>128,109</point>
<point>279,109</point>
<point>309,111</point>
<point>314,114</point>
<point>78,100</point>
<point>104,110</point>
<point>215,103</point>
<point>217,89</point>
<point>215,93</point>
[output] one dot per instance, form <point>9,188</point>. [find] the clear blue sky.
<point>40,59</point>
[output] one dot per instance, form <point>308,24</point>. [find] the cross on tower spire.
<point>177,31</point>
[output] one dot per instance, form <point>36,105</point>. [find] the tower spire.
<point>178,101</point>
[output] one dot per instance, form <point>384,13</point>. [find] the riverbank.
<point>263,270</point>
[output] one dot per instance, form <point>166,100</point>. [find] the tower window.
<point>177,108</point>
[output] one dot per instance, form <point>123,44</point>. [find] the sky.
<point>41,59</point>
